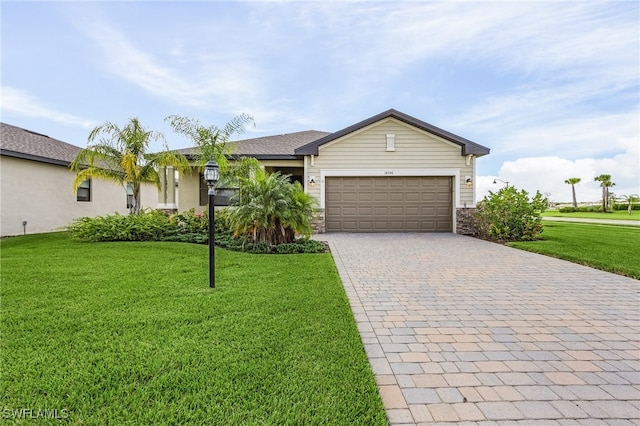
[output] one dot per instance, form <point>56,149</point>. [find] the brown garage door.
<point>389,204</point>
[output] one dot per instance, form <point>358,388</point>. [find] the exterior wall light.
<point>312,181</point>
<point>468,181</point>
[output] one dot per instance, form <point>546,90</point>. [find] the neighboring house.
<point>388,173</point>
<point>36,185</point>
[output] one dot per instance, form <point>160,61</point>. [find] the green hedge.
<point>581,209</point>
<point>620,206</point>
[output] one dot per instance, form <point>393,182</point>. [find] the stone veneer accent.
<point>317,222</point>
<point>464,221</point>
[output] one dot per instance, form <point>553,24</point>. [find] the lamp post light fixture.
<point>503,181</point>
<point>211,175</point>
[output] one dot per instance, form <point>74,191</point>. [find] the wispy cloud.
<point>179,75</point>
<point>19,102</point>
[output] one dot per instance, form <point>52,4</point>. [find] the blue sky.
<point>551,87</point>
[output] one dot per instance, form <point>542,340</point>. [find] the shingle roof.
<point>269,147</point>
<point>21,143</point>
<point>468,147</point>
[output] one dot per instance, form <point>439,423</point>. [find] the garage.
<point>389,204</point>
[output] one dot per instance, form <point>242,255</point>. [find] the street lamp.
<point>505,182</point>
<point>211,175</point>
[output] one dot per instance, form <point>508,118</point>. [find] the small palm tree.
<point>271,209</point>
<point>121,156</point>
<point>605,183</point>
<point>572,182</point>
<point>631,200</point>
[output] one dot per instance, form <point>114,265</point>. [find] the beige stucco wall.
<point>417,153</point>
<point>42,195</point>
<point>188,191</point>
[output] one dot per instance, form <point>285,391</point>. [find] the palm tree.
<point>212,140</point>
<point>572,182</point>
<point>605,183</point>
<point>631,200</point>
<point>271,209</point>
<point>121,156</point>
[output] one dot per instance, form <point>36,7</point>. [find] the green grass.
<point>616,215</point>
<point>130,333</point>
<point>612,248</point>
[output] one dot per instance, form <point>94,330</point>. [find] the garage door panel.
<point>349,211</point>
<point>388,204</point>
<point>396,197</point>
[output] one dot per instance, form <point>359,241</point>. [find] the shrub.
<point>581,209</point>
<point>509,215</point>
<point>149,225</point>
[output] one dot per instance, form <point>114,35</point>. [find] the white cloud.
<point>18,102</point>
<point>547,175</point>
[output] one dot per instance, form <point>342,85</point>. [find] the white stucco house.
<point>36,185</point>
<point>388,173</point>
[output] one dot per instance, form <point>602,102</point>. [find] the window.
<point>84,191</point>
<point>129,189</point>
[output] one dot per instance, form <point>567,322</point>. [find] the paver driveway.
<point>462,330</point>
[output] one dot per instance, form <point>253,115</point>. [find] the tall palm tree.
<point>120,155</point>
<point>572,182</point>
<point>605,183</point>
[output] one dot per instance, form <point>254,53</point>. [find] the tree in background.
<point>605,183</point>
<point>211,141</point>
<point>510,215</point>
<point>630,200</point>
<point>572,182</point>
<point>120,155</point>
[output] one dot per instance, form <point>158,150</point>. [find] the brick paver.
<point>461,330</point>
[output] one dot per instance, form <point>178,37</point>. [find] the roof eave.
<point>31,157</point>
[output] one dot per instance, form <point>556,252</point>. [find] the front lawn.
<point>612,248</point>
<point>130,333</point>
<point>616,215</point>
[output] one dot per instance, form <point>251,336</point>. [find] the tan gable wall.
<point>416,153</point>
<point>41,194</point>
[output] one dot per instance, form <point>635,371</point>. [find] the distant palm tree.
<point>605,183</point>
<point>572,182</point>
<point>121,156</point>
<point>630,199</point>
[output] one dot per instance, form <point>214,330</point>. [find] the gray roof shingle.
<point>21,143</point>
<point>269,147</point>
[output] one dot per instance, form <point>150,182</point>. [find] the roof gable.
<point>468,147</point>
<point>21,143</point>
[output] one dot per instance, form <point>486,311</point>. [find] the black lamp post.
<point>211,176</point>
